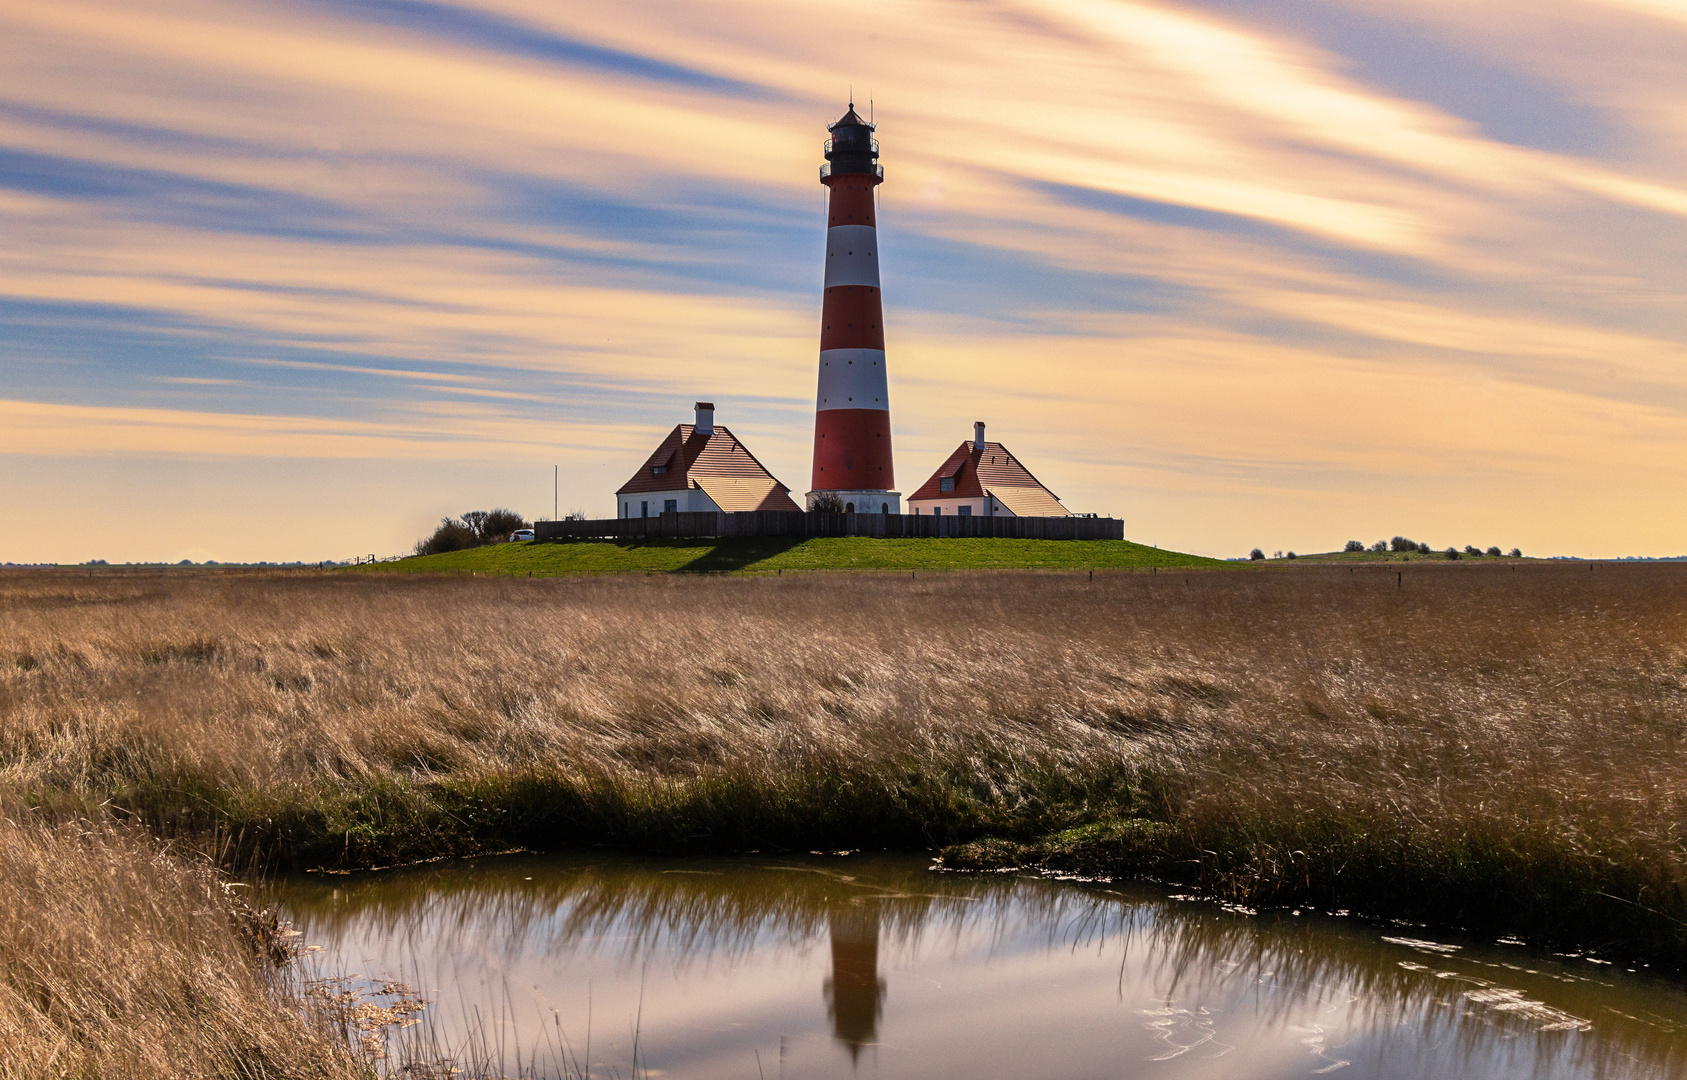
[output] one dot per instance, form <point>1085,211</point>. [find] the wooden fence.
<point>688,525</point>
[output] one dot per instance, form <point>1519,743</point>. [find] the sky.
<point>294,279</point>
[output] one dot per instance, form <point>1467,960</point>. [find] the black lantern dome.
<point>852,148</point>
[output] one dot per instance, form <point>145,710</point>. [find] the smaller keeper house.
<point>701,467</point>
<point>984,479</point>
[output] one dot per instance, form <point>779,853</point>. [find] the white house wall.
<point>985,507</point>
<point>686,500</point>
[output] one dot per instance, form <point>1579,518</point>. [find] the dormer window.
<point>946,484</point>
<point>658,470</point>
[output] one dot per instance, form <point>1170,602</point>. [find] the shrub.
<point>1472,549</point>
<point>1292,555</point>
<point>826,502</point>
<point>493,526</point>
<point>1256,555</point>
<point>1380,545</point>
<point>574,515</point>
<point>451,535</point>
<point>1423,549</point>
<point>1516,553</point>
<point>1495,551</point>
<point>476,528</point>
<point>1355,545</point>
<point>1400,543</point>
<point>1451,552</point>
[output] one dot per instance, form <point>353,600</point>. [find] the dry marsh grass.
<point>119,961</point>
<point>1485,746</point>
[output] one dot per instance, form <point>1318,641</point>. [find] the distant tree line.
<point>476,528</point>
<point>1403,544</point>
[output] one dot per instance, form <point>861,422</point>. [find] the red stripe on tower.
<point>852,458</point>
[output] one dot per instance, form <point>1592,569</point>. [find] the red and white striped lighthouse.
<point>852,408</point>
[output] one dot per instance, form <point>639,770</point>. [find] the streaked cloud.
<point>1246,274</point>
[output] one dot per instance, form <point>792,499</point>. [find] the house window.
<point>946,484</point>
<point>670,505</point>
<point>658,470</point>
<point>644,509</point>
<point>937,511</point>
<point>884,508</point>
<point>965,511</point>
<point>849,508</point>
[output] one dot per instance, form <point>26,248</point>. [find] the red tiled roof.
<point>995,469</point>
<point>689,459</point>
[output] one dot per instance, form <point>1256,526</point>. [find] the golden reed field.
<point>1489,746</point>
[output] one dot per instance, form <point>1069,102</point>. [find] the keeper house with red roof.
<point>985,479</point>
<point>701,467</point>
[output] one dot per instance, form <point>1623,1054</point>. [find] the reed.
<point>119,960</point>
<point>1491,746</point>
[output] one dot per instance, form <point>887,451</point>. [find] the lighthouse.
<point>852,459</point>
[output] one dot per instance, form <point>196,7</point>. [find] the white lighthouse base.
<point>864,501</point>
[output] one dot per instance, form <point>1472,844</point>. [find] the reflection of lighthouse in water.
<point>855,993</point>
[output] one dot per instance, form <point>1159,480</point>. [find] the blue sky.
<point>295,279</point>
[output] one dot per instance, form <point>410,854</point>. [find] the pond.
<point>850,965</point>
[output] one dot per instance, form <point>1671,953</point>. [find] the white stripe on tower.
<point>853,379</point>
<point>852,256</point>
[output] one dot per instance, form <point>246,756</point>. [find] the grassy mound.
<point>772,553</point>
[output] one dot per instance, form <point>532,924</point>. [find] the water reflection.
<point>854,992</point>
<point>835,966</point>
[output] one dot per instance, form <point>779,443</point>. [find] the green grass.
<point>770,554</point>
